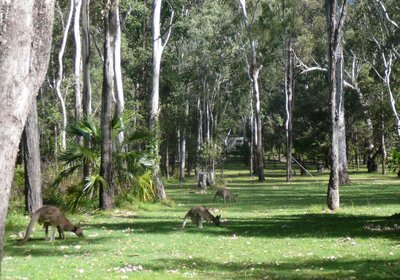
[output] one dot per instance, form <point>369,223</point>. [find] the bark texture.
<point>158,48</point>
<point>335,14</point>
<point>106,168</point>
<point>25,40</point>
<point>289,81</point>
<point>33,179</point>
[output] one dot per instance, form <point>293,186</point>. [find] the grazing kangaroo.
<point>54,217</point>
<point>198,214</point>
<point>225,194</point>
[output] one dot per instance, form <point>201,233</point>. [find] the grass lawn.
<point>276,230</point>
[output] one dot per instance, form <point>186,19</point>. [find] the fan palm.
<point>132,165</point>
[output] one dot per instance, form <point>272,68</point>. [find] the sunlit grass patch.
<point>275,230</point>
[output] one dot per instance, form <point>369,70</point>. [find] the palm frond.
<point>93,182</point>
<point>77,153</point>
<point>65,174</point>
<point>87,128</point>
<point>144,187</point>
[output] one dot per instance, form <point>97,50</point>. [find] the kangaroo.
<point>198,214</point>
<point>225,194</point>
<point>54,217</point>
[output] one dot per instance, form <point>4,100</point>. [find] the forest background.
<point>136,91</point>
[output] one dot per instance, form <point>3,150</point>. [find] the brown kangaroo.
<point>225,194</point>
<point>54,217</point>
<point>198,214</point>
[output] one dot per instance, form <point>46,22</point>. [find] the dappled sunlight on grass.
<point>275,230</point>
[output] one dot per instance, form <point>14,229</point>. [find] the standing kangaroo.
<point>198,214</point>
<point>54,217</point>
<point>225,194</point>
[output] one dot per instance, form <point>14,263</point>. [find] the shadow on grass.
<point>292,226</point>
<point>297,269</point>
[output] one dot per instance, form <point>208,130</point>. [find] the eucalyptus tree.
<point>60,76</point>
<point>335,14</point>
<point>78,59</point>
<point>120,99</point>
<point>254,71</point>
<point>86,53</point>
<point>383,26</point>
<point>158,48</point>
<point>106,168</point>
<point>31,151</point>
<point>24,56</point>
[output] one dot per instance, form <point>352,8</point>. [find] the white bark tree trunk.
<point>118,74</point>
<point>289,102</point>
<point>182,156</point>
<point>254,74</point>
<point>60,77</point>
<point>78,60</point>
<point>24,54</point>
<point>158,48</point>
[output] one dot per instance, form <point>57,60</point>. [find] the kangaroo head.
<point>217,221</point>
<point>78,231</point>
<point>235,197</point>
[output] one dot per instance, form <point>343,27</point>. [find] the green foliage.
<point>394,161</point>
<point>209,151</point>
<point>131,166</point>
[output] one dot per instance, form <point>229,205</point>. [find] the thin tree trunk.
<point>106,169</point>
<point>383,140</point>
<point>343,165</point>
<point>78,60</point>
<point>257,115</point>
<point>158,48</point>
<point>87,88</point>
<point>289,100</point>
<point>199,141</point>
<point>23,64</point>
<point>118,74</point>
<point>254,73</point>
<point>33,181</point>
<point>182,156</point>
<point>335,13</point>
<point>154,113</point>
<point>60,77</point>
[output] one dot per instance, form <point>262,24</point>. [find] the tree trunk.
<point>60,77</point>
<point>199,141</point>
<point>335,14</point>
<point>158,48</point>
<point>118,74</point>
<point>259,138</point>
<point>106,168</point>
<point>78,61</point>
<point>289,102</point>
<point>254,73</point>
<point>343,165</point>
<point>182,156</point>
<point>87,88</point>
<point>24,55</point>
<point>33,181</point>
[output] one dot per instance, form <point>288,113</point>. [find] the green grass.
<point>276,230</point>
